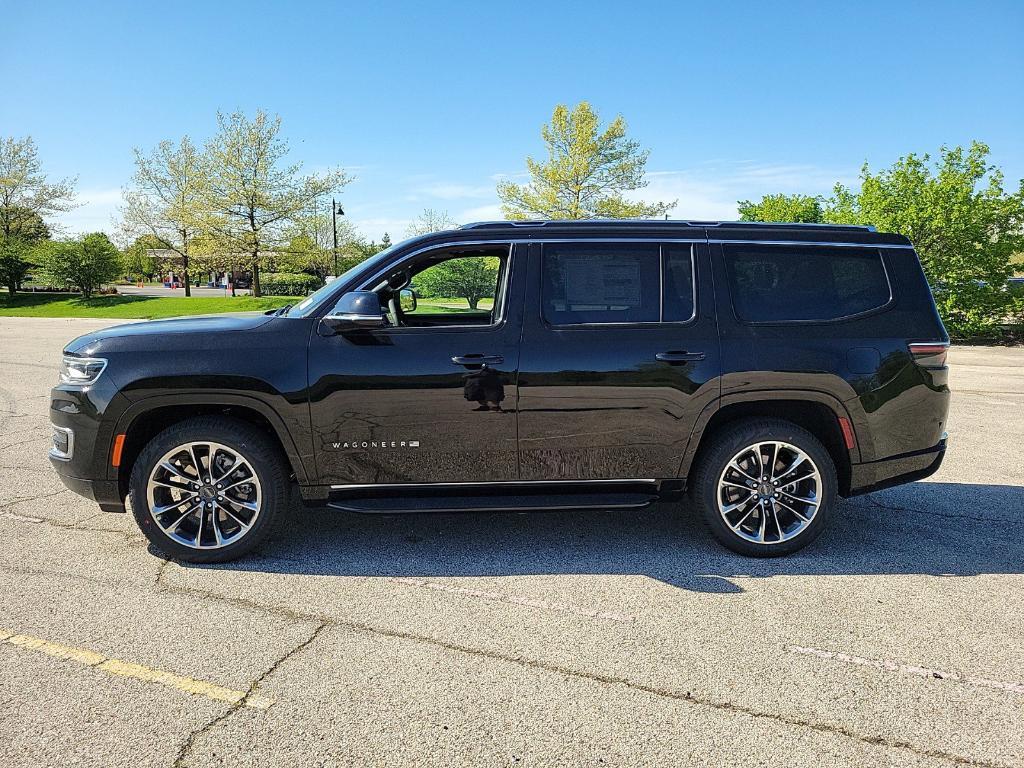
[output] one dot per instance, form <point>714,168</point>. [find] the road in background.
<point>550,639</point>
<point>159,290</point>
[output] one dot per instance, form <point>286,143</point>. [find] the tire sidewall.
<point>238,436</point>
<point>732,442</point>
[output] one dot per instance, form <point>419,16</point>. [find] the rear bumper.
<point>896,470</point>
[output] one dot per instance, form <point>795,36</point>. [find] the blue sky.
<point>427,104</point>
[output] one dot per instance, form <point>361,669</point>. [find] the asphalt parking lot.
<point>551,639</point>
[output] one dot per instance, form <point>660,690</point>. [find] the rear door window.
<point>778,283</point>
<point>602,283</point>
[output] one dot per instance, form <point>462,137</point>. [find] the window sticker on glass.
<point>596,283</point>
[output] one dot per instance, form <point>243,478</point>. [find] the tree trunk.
<point>11,288</point>
<point>184,272</point>
<point>256,275</point>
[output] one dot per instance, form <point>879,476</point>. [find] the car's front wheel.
<point>208,489</point>
<point>765,487</point>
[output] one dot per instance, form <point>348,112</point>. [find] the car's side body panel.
<point>390,405</point>
<point>588,403</point>
<point>595,403</point>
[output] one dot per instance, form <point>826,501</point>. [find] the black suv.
<point>764,370</point>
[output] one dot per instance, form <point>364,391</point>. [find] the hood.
<point>154,329</point>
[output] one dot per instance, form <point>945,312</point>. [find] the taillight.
<point>929,354</point>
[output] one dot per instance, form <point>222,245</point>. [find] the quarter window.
<point>598,283</point>
<point>780,283</point>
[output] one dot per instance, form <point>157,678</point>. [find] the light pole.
<point>336,211</point>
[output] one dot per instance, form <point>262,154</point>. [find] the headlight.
<point>81,370</point>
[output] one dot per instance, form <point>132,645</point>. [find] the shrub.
<point>86,264</point>
<point>288,283</point>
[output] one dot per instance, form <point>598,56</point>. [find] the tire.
<point>233,518</point>
<point>777,517</point>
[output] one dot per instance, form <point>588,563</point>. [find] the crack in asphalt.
<point>7,505</point>
<point>687,697</point>
<point>186,748</point>
<point>24,442</point>
<point>931,513</point>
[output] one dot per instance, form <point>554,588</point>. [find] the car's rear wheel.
<point>208,489</point>
<point>765,488</point>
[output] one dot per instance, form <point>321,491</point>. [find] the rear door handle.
<point>478,359</point>
<point>679,356</point>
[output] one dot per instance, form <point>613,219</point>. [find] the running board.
<point>539,498</point>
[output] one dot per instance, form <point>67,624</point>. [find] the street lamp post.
<point>336,211</point>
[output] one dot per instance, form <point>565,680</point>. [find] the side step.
<point>397,500</point>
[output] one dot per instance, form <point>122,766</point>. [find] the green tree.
<point>15,262</point>
<point>799,209</point>
<point>471,278</point>
<point>586,175</point>
<point>166,199</point>
<point>86,264</point>
<point>26,197</point>
<point>25,228</point>
<point>254,195</point>
<point>385,242</point>
<point>26,225</point>
<point>136,261</point>
<point>963,223</point>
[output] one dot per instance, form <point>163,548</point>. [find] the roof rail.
<point>658,223</point>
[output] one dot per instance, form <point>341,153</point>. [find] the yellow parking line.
<point>136,671</point>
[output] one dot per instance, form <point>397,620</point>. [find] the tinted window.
<point>678,304</point>
<point>616,283</point>
<point>804,283</point>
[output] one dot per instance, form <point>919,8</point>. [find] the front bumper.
<point>104,492</point>
<point>896,470</point>
<point>84,415</point>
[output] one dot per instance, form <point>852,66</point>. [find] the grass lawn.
<point>129,307</point>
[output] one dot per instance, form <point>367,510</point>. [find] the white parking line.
<point>909,669</point>
<point>136,671</point>
<point>514,600</point>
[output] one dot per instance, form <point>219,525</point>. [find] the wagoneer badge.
<point>370,444</point>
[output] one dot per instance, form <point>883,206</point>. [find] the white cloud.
<point>456,191</point>
<point>96,212</point>
<point>374,227</point>
<point>710,191</point>
<point>489,212</point>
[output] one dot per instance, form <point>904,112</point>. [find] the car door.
<point>421,403</point>
<point>620,356</point>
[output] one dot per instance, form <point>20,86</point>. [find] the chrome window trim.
<point>813,321</point>
<point>876,246</point>
<point>512,241</point>
<point>60,455</point>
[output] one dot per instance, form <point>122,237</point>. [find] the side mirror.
<point>407,300</point>
<point>356,309</point>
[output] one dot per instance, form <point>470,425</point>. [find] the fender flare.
<point>139,407</point>
<point>837,406</point>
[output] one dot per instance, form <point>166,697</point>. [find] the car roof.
<point>713,230</point>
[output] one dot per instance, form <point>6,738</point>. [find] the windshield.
<point>311,303</point>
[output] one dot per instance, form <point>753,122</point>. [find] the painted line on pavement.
<point>135,671</point>
<point>909,669</point>
<point>512,599</point>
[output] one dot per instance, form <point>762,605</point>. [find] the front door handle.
<point>476,359</point>
<point>679,356</point>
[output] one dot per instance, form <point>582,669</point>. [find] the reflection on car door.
<point>420,404</point>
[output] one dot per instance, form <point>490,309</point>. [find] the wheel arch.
<point>817,412</point>
<point>141,421</point>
